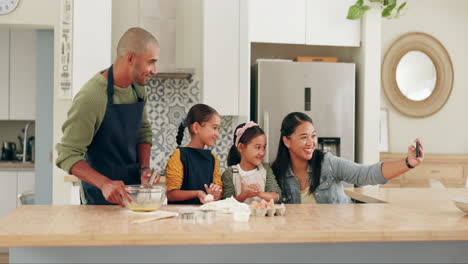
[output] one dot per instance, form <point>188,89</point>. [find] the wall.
<point>368,92</point>
<point>446,131</point>
<point>44,112</point>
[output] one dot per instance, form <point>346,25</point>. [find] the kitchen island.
<point>396,225</point>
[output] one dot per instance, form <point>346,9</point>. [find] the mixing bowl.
<point>461,203</point>
<point>145,198</point>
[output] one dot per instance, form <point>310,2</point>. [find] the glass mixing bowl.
<point>145,198</point>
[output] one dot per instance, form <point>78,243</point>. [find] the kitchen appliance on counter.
<point>330,144</point>
<point>8,151</point>
<point>323,90</point>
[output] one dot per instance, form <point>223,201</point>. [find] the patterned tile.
<point>168,102</point>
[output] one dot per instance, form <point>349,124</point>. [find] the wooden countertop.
<point>16,165</point>
<point>403,215</point>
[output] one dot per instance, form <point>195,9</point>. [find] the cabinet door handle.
<point>307,95</point>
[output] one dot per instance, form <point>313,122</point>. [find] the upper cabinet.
<point>18,74</point>
<point>23,74</point>
<point>4,73</point>
<point>278,21</point>
<point>221,55</point>
<point>310,22</point>
<point>208,41</point>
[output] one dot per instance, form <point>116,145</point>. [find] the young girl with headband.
<point>247,178</point>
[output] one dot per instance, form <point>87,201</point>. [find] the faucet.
<point>25,140</point>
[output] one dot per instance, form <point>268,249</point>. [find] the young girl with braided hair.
<point>192,172</point>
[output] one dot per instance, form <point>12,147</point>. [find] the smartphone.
<point>417,149</point>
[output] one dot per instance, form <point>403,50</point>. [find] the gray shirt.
<point>334,171</point>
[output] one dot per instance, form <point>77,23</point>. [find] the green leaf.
<point>376,1</point>
<point>388,10</point>
<point>355,12</point>
<point>390,2</point>
<point>359,3</point>
<point>401,7</point>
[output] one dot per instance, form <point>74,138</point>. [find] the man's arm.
<point>144,152</point>
<point>145,140</point>
<point>113,191</point>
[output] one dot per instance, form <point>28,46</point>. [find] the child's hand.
<point>250,190</point>
<point>214,190</point>
<point>255,187</point>
<point>201,196</point>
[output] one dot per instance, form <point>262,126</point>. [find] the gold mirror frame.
<point>417,41</point>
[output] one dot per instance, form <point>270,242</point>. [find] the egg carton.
<point>270,210</point>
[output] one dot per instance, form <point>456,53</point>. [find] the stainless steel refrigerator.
<point>323,90</point>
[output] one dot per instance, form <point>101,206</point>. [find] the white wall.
<point>367,91</point>
<point>447,130</point>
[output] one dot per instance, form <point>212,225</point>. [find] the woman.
<point>308,175</point>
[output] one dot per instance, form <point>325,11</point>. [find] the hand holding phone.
<point>417,149</point>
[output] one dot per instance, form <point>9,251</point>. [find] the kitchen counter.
<point>16,165</point>
<point>74,179</point>
<point>395,215</point>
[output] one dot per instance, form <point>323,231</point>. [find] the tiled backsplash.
<point>169,100</point>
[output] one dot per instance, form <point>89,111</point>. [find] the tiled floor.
<point>3,258</point>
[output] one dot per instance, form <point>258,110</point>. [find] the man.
<point>107,137</point>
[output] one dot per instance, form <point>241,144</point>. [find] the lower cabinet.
<point>8,191</point>
<point>25,180</point>
<point>13,183</point>
<point>436,171</point>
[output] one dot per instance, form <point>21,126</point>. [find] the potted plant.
<point>390,8</point>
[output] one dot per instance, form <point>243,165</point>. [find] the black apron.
<point>198,171</point>
<point>113,151</point>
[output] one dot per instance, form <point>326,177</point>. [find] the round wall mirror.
<point>417,75</point>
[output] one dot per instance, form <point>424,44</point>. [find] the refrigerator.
<point>323,90</point>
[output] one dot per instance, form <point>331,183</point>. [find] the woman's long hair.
<point>249,134</point>
<point>283,159</point>
<point>198,113</point>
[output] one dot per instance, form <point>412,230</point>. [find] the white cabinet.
<point>23,74</point>
<point>25,182</point>
<point>17,74</point>
<point>221,55</point>
<point>4,72</point>
<point>311,22</point>
<point>7,192</point>
<point>208,41</point>
<point>326,24</point>
<point>278,21</point>
<point>13,183</point>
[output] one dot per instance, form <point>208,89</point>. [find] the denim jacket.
<point>331,190</point>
